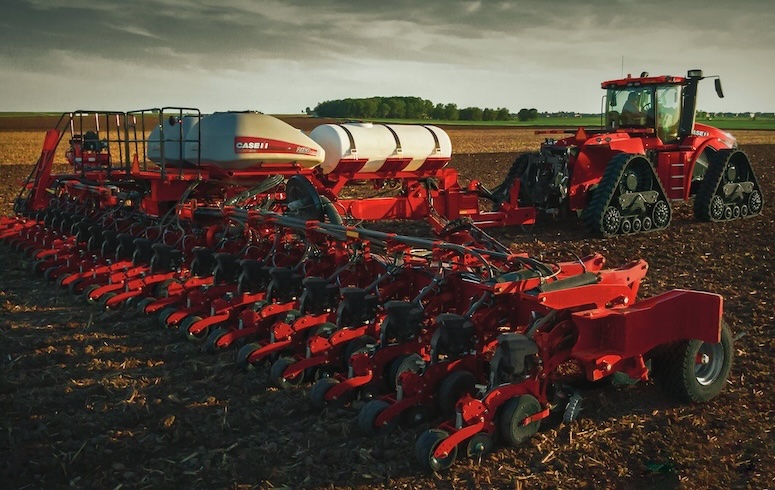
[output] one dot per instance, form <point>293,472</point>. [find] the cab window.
<point>668,112</point>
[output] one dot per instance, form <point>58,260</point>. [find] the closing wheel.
<point>244,353</point>
<point>637,225</point>
<point>103,301</point>
<point>626,226</point>
<point>165,314</point>
<point>87,293</point>
<point>48,274</point>
<point>728,214</point>
<point>73,287</point>
<point>61,279</point>
<point>425,447</point>
<point>211,344</point>
<point>696,371</point>
<point>744,210</point>
<point>479,445</point>
<point>186,325</point>
<point>369,413</point>
<point>144,303</point>
<point>453,387</point>
<point>276,374</point>
<point>511,416</point>
<point>317,394</point>
<point>416,415</point>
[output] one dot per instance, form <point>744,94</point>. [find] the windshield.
<point>668,112</point>
<point>630,107</point>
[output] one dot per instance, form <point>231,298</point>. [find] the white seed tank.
<point>175,134</point>
<point>377,143</point>
<point>241,140</point>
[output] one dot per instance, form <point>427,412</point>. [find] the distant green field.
<point>589,121</point>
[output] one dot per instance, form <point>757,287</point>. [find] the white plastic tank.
<point>240,140</point>
<point>379,142</point>
<point>175,130</point>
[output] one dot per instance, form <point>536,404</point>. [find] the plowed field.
<point>93,399</point>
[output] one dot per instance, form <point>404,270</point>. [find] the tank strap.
<point>395,136</point>
<point>353,149</point>
<point>435,138</point>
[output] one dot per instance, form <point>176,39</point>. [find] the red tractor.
<point>620,179</point>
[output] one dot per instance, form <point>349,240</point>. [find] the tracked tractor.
<point>649,152</point>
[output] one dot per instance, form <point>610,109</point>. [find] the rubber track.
<point>501,193</point>
<point>711,183</point>
<point>604,193</point>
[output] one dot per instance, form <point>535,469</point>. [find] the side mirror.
<point>719,91</point>
<point>173,120</point>
<point>613,99</point>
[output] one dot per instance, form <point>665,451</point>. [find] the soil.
<point>93,399</point>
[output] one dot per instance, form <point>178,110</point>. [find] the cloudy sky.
<point>282,56</point>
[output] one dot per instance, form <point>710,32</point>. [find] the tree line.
<point>413,108</point>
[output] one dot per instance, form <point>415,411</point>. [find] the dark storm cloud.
<point>236,34</point>
<point>486,53</point>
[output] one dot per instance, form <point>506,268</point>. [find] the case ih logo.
<point>247,144</point>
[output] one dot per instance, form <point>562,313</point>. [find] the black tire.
<point>402,364</point>
<point>694,371</point>
<point>162,289</point>
<point>73,287</point>
<point>165,314</point>
<point>87,292</point>
<point>48,273</point>
<point>369,413</point>
<point>143,304</point>
<point>243,355</point>
<point>425,447</point>
<point>356,345</point>
<point>61,279</point>
<point>511,415</point>
<point>479,445</point>
<point>103,301</point>
<point>317,394</point>
<point>187,323</point>
<point>453,387</point>
<point>278,369</point>
<point>211,343</point>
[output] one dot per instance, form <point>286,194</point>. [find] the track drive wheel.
<point>694,371</point>
<point>425,447</point>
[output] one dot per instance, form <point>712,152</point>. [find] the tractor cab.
<point>647,103</point>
